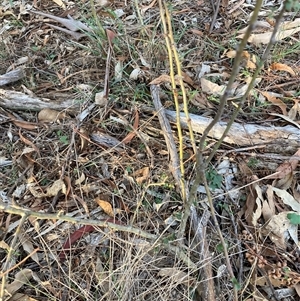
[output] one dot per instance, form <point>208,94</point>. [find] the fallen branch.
<point>25,213</point>
<point>12,76</point>
<point>20,101</point>
<point>167,132</point>
<point>241,134</point>
<point>13,209</point>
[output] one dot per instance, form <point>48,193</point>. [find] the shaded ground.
<point>110,162</point>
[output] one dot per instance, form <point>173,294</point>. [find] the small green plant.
<point>220,247</point>
<point>62,138</point>
<point>292,5</point>
<point>178,215</point>
<point>44,182</point>
<point>252,163</point>
<point>169,238</point>
<point>282,52</point>
<point>157,201</point>
<point>246,73</point>
<point>51,56</point>
<point>129,169</point>
<point>294,218</point>
<point>213,98</point>
<point>214,179</point>
<point>286,271</point>
<point>142,147</point>
<point>35,48</point>
<point>236,284</point>
<point>225,207</point>
<point>146,205</point>
<point>17,23</point>
<point>13,176</point>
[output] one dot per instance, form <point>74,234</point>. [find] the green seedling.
<point>252,163</point>
<point>236,284</point>
<point>294,218</point>
<point>220,247</point>
<point>214,179</point>
<point>63,138</point>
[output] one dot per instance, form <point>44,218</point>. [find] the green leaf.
<point>220,248</point>
<point>236,284</point>
<point>214,179</point>
<point>294,218</point>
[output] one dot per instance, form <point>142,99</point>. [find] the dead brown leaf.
<point>294,110</point>
<point>264,38</point>
<point>60,3</point>
<point>258,211</point>
<point>268,209</point>
<point>277,229</point>
<point>187,79</point>
<point>250,203</point>
<point>196,32</point>
<point>51,191</point>
<point>28,142</point>
<point>164,78</point>
<point>276,101</point>
<point>130,136</point>
<point>84,140</point>
<point>285,182</point>
<point>25,124</point>
<point>27,245</point>
<point>283,170</point>
<point>145,174</point>
<point>145,8</point>
<point>211,88</point>
<point>297,288</point>
<point>21,278</point>
<point>283,67</point>
<point>287,167</point>
<point>21,297</point>
<point>106,206</point>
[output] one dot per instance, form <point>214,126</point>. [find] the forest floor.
<point>89,206</point>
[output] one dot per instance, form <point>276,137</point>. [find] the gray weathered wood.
<point>20,101</point>
<point>242,134</point>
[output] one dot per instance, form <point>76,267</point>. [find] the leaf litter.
<point>78,125</point>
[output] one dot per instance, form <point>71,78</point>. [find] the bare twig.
<point>202,163</point>
<point>59,216</point>
<point>216,8</point>
<point>251,84</point>
<point>207,286</point>
<point>180,80</point>
<point>167,31</point>
<point>167,131</point>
